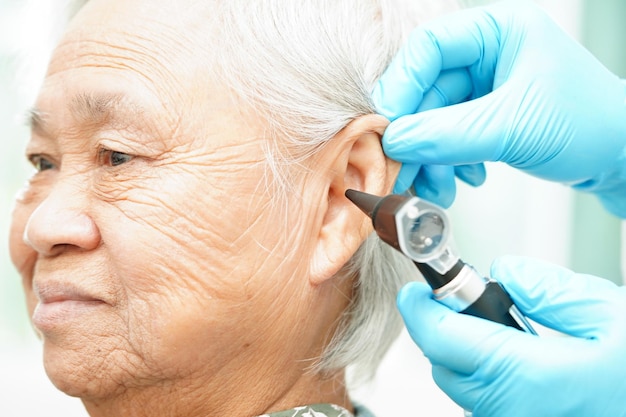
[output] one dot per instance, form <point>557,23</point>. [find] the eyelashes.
<point>106,157</point>
<point>112,158</point>
<point>41,162</point>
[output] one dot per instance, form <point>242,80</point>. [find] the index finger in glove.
<point>577,304</point>
<point>455,41</point>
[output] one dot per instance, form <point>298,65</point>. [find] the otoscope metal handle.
<point>471,293</point>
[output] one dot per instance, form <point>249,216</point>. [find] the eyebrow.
<point>92,109</point>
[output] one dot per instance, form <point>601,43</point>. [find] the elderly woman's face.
<point>146,243</point>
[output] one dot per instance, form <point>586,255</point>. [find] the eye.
<point>114,158</point>
<point>119,158</point>
<point>41,162</point>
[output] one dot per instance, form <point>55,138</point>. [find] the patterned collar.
<point>315,410</point>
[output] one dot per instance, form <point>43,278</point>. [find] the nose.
<point>61,222</point>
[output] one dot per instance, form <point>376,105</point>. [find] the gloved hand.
<point>529,96</point>
<point>495,370</point>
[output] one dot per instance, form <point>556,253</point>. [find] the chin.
<point>84,372</point>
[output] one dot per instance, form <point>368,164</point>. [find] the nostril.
<point>57,249</point>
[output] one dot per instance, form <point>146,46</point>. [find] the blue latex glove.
<point>498,371</point>
<point>529,96</point>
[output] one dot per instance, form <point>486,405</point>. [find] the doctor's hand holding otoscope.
<point>504,83</point>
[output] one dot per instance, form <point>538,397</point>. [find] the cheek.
<point>207,232</point>
<point>177,238</point>
<point>196,264</point>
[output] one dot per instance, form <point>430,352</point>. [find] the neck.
<point>280,392</point>
<point>314,390</point>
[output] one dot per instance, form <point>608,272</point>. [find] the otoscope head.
<point>415,227</point>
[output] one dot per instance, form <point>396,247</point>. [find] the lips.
<point>61,303</point>
<point>54,292</point>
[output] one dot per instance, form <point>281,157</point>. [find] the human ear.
<point>354,159</point>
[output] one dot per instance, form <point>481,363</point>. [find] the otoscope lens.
<point>425,233</point>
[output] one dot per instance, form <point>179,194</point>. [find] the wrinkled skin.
<point>156,273</point>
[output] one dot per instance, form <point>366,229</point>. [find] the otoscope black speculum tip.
<point>366,202</point>
<point>382,211</point>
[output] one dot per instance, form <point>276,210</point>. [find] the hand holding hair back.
<point>503,83</point>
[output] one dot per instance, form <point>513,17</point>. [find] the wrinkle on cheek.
<point>134,358</point>
<point>142,324</point>
<point>188,250</point>
<point>176,320</point>
<point>197,264</point>
<point>116,187</point>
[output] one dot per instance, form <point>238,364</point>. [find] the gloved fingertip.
<point>403,139</point>
<point>503,265</point>
<point>395,143</point>
<point>399,188</point>
<point>445,199</point>
<point>406,176</point>
<point>442,196</point>
<point>379,104</point>
<point>436,183</point>
<point>556,297</point>
<point>411,293</point>
<point>410,301</point>
<point>474,174</point>
<point>524,272</point>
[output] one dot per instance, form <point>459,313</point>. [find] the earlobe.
<point>357,162</point>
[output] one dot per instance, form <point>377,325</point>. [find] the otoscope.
<point>421,231</point>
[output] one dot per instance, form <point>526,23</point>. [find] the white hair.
<point>308,68</point>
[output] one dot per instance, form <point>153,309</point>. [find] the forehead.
<point>137,59</point>
<point>161,41</point>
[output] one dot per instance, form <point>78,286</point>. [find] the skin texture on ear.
<point>353,159</point>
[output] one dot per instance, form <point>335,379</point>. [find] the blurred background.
<point>511,214</point>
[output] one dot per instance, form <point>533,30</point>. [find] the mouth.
<point>61,303</point>
<point>49,292</point>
